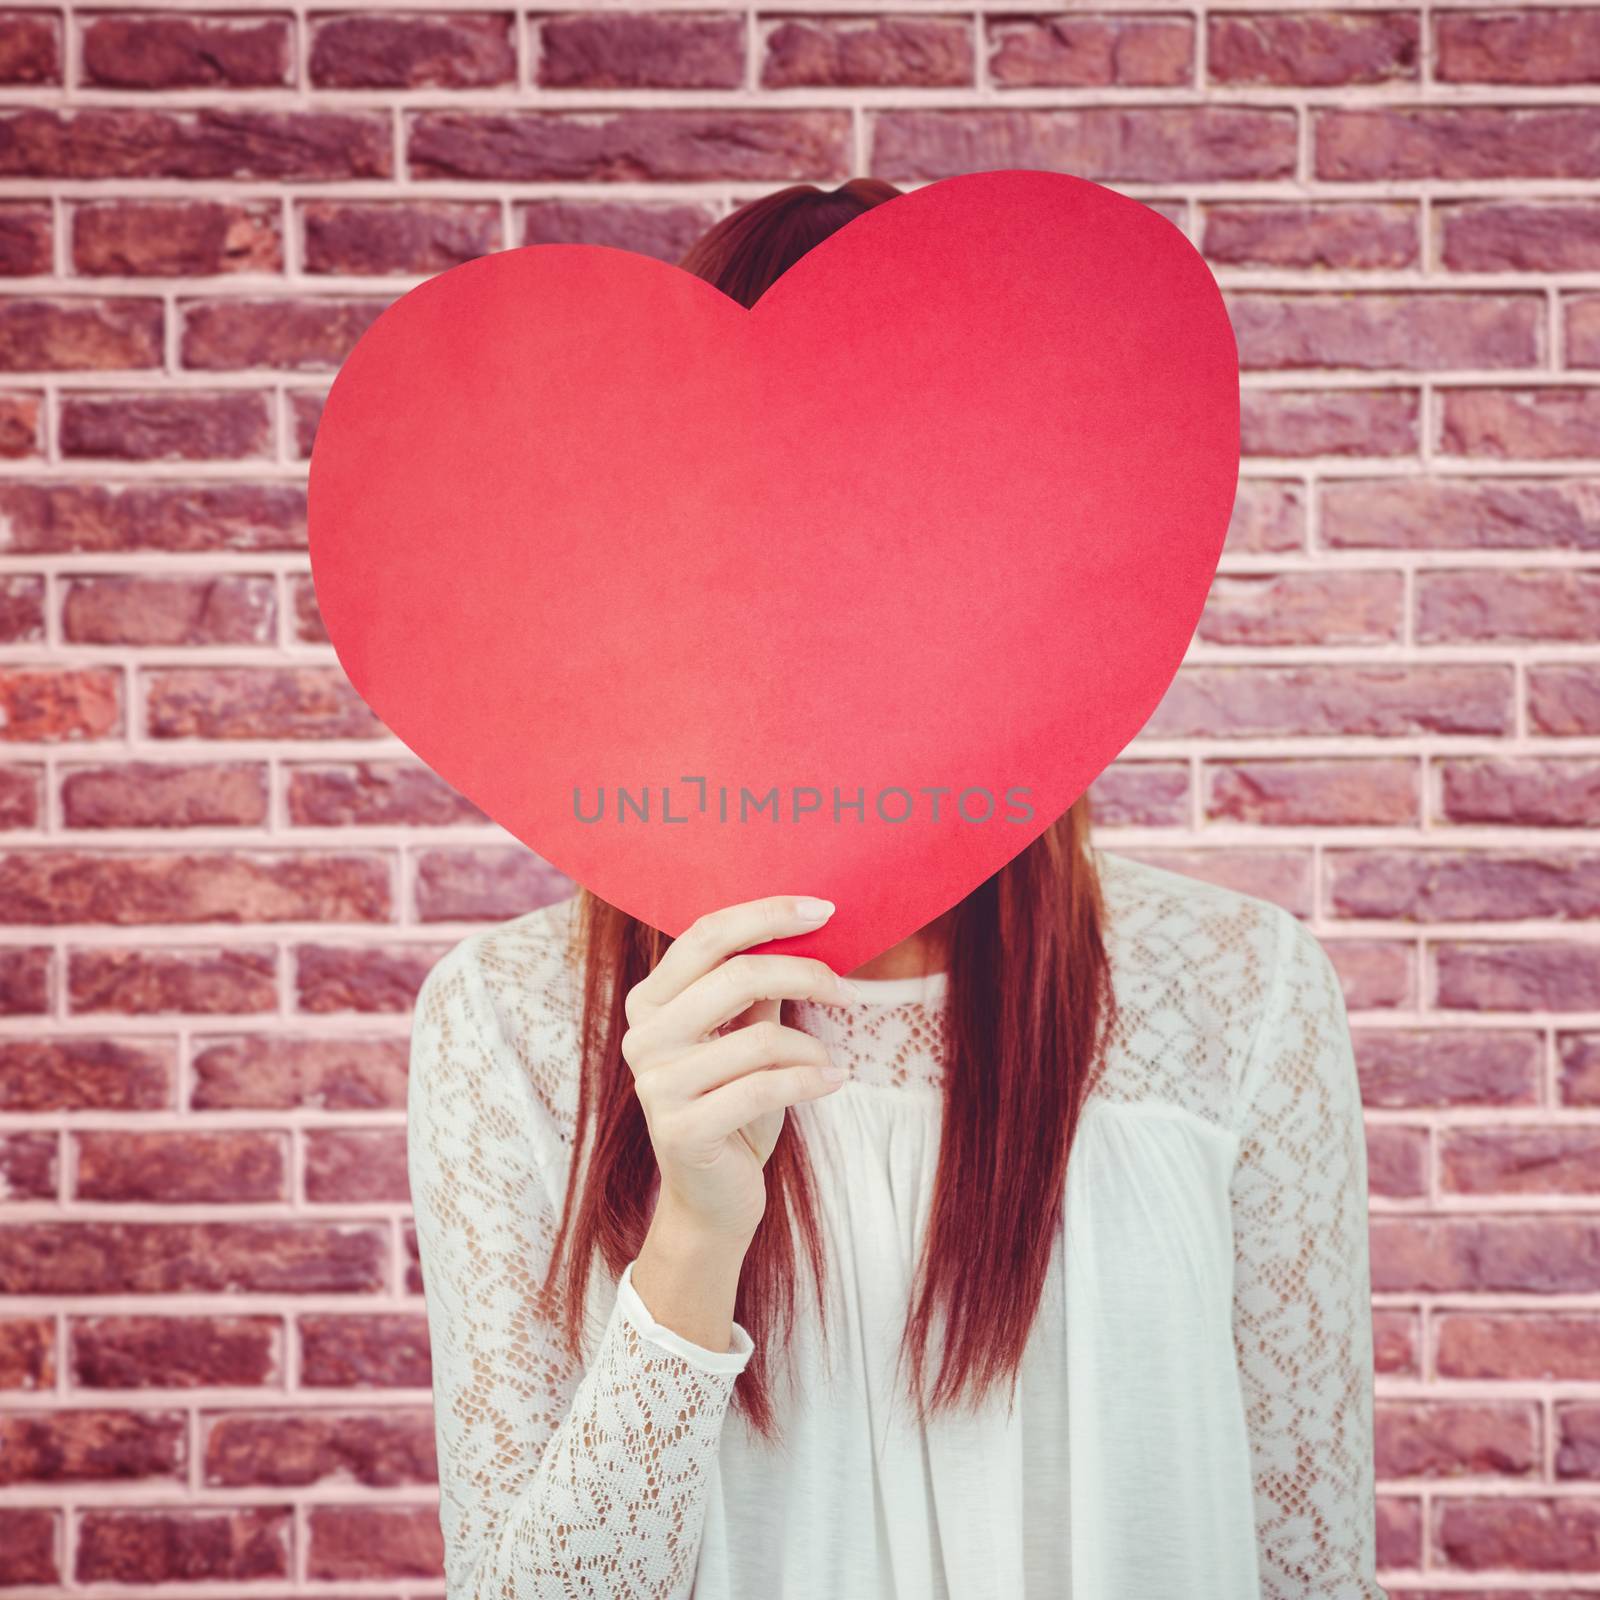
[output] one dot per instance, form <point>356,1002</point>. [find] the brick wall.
<point>221,882</point>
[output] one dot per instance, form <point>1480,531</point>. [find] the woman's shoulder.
<point>1194,966</point>
<point>517,987</point>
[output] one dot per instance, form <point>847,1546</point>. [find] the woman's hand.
<point>715,1100</point>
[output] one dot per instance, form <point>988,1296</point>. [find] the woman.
<point>745,1282</point>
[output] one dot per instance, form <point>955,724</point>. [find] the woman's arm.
<point>554,1479</point>
<point>1302,1284</point>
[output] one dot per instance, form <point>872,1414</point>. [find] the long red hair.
<point>1029,1004</point>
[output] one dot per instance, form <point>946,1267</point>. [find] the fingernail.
<point>809,909</point>
<point>833,1072</point>
<point>846,988</point>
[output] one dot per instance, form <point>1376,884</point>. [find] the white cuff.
<point>731,1361</point>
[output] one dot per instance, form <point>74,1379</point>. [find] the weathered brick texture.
<point>222,881</point>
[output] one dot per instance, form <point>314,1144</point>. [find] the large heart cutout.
<point>627,563</point>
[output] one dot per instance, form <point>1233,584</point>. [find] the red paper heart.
<point>941,511</point>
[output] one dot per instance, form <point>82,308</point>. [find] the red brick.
<point>1517,235</point>
<point>30,1540</point>
<point>1151,794</point>
<point>63,334</point>
<point>1309,791</point>
<point>1376,974</point>
<point>631,146</point>
<point>1456,142</point>
<point>1554,46</point>
<point>644,50</point>
<point>361,978</point>
<point>26,230</point>
<point>175,238</point>
<point>1397,1162</point>
<point>1386,330</point>
<point>27,1353</point>
<point>1311,608</point>
<point>274,1071</point>
<point>54,704</point>
<point>364,1352</point>
<point>1520,1160</point>
<point>204,980</point>
<point>305,412</point>
<point>144,609</point>
<point>83,1446</point>
<point>190,425</point>
<point>51,887</point>
<point>1534,424</point>
<point>485,884</point>
<point>1269,516</point>
<point>660,228</point>
<point>82,1072</point>
<point>256,703</point>
<point>21,795</point>
<point>1577,1440</point>
<point>1318,48</point>
<point>1535,1253</point>
<point>1282,876</point>
<point>1580,317</point>
<point>29,1166</point>
<point>1504,605</point>
<point>155,794</point>
<point>373,794</point>
<point>1456,1438</point>
<point>21,608</point>
<point>186,52</point>
<point>179,1258</point>
<point>373,1541</point>
<point>378,1449</point>
<point>24,980</point>
<point>1396,1339</point>
<point>1521,1534</point>
<point>1317,700</point>
<point>1448,885</point>
<point>30,48</point>
<point>58,518</point>
<point>231,142</point>
<point>1517,975</point>
<point>1521,792</point>
<point>188,1544</point>
<point>1304,235</point>
<point>1089,52</point>
<point>386,237</point>
<point>286,335</point>
<point>131,1352</point>
<point>1564,698</point>
<point>356,1165</point>
<point>21,427</point>
<point>191,1168</point>
<point>1440,1068</point>
<point>1517,1344</point>
<point>1107,144</point>
<point>309,627</point>
<point>1578,1065</point>
<point>1338,422</point>
<point>412,50</point>
<point>1460,513</point>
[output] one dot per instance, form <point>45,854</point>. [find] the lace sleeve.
<point>1302,1285</point>
<point>553,1479</point>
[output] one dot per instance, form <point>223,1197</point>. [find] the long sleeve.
<point>1302,1284</point>
<point>554,1478</point>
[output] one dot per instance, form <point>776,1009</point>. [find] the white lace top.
<point>1194,1412</point>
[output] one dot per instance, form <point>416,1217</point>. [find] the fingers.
<point>708,1066</point>
<point>734,986</point>
<point>711,939</point>
<point>724,1111</point>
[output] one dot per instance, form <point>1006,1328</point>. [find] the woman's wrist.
<point>688,1277</point>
